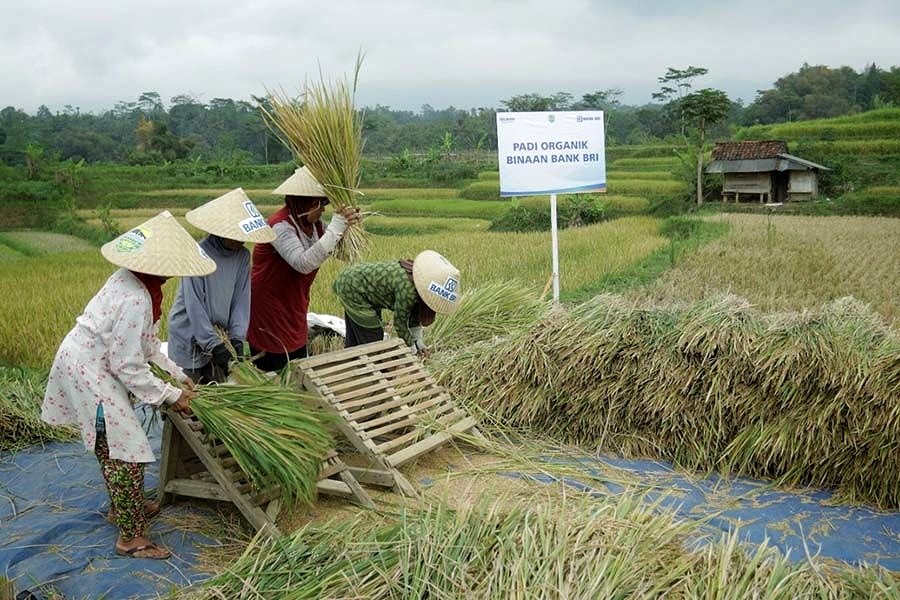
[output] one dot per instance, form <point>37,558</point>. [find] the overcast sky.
<point>464,53</point>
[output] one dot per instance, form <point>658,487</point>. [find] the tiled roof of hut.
<point>749,150</point>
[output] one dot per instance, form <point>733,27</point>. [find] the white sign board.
<point>544,153</point>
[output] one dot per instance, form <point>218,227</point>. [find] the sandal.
<point>151,509</point>
<point>151,551</point>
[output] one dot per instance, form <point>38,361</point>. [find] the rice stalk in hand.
<point>273,433</point>
<point>324,132</point>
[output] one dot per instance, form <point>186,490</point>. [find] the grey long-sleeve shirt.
<point>221,298</point>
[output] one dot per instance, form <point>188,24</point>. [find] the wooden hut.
<point>764,171</point>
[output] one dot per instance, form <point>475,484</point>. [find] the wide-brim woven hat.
<point>233,216</point>
<point>160,246</point>
<point>301,183</point>
<point>437,282</point>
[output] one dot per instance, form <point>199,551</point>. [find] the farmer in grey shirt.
<point>214,310</point>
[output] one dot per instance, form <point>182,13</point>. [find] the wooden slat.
<point>367,380</point>
<point>402,353</point>
<point>360,370</point>
<point>349,353</point>
<point>197,489</point>
<point>372,476</point>
<point>398,442</point>
<point>403,412</point>
<point>330,469</point>
<point>412,420</point>
<point>334,488</point>
<point>430,443</point>
<point>426,398</point>
<point>392,445</point>
<point>406,394</point>
<point>416,380</point>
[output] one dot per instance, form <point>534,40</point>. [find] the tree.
<point>151,104</point>
<point>682,79</point>
<point>33,155</point>
<point>538,103</point>
<point>702,109</point>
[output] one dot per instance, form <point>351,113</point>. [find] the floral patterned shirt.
<point>105,358</point>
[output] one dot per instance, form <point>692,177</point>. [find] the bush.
<point>481,190</point>
<point>571,212</point>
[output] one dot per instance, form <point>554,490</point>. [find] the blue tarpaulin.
<point>54,533</point>
<point>800,523</point>
<point>53,528</point>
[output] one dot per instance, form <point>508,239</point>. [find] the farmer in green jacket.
<point>413,290</point>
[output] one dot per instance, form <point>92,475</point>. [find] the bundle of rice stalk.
<point>324,132</point>
<point>273,433</point>
<point>494,310</point>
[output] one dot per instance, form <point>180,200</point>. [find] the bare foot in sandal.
<point>140,547</point>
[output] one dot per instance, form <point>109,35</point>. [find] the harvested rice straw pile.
<point>571,548</point>
<point>324,132</point>
<point>21,394</point>
<point>808,398</point>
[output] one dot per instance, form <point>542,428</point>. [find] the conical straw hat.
<point>301,183</point>
<point>233,216</point>
<point>437,282</point>
<point>160,246</point>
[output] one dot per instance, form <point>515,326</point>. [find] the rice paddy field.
<point>771,350</point>
<point>792,263</point>
<point>37,315</point>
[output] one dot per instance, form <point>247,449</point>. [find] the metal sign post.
<point>554,236</point>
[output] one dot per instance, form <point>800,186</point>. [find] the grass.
<point>7,253</point>
<point>450,208</point>
<point>791,263</point>
<point>652,266</point>
<point>33,243</point>
<point>21,395</point>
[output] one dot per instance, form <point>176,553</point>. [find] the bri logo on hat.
<point>446,291</point>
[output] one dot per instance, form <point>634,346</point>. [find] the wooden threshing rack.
<point>391,409</point>
<point>197,466</point>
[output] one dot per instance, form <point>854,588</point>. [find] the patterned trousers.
<point>125,484</point>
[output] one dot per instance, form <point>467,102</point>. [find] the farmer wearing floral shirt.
<point>218,304</point>
<point>413,290</point>
<point>105,359</point>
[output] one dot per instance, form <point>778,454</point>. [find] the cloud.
<point>464,53</point>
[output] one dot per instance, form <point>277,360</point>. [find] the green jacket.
<point>365,289</point>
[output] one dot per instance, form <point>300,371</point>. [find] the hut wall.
<point>747,183</point>
<point>803,184</point>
